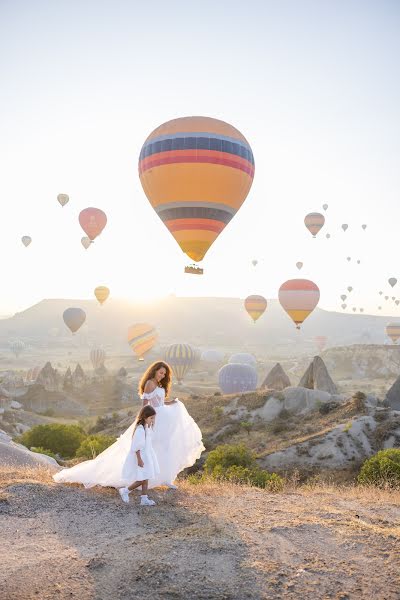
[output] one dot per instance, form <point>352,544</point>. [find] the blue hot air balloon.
<point>235,378</point>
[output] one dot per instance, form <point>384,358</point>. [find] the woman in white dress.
<point>177,439</point>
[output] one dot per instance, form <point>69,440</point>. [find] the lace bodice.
<point>155,398</point>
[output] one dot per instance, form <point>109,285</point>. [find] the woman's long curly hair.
<point>151,373</point>
<point>144,413</point>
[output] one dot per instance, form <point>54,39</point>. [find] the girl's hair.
<point>151,373</point>
<point>143,414</point>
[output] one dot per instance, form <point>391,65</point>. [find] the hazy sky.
<point>313,85</point>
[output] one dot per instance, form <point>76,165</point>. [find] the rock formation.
<point>276,379</point>
<point>317,377</point>
<point>393,395</point>
<point>48,377</point>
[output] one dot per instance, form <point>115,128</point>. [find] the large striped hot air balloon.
<point>181,358</point>
<point>255,306</point>
<point>314,222</point>
<point>299,297</point>
<point>97,357</point>
<point>141,338</point>
<point>237,378</point>
<point>101,292</point>
<point>393,331</point>
<point>196,173</point>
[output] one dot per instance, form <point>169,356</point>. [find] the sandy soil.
<point>201,542</point>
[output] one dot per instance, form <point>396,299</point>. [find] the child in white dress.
<point>141,462</point>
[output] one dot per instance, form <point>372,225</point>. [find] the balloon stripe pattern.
<point>141,338</point>
<point>299,297</point>
<point>393,331</point>
<point>181,358</point>
<point>196,173</point>
<point>255,306</point>
<point>314,222</point>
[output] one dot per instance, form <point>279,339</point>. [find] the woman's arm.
<point>149,388</point>
<point>139,459</point>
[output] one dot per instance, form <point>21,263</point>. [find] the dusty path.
<point>198,543</point>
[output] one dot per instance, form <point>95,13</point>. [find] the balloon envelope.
<point>299,265</point>
<point>181,358</point>
<point>314,222</point>
<point>243,358</point>
<point>26,240</point>
<point>92,220</point>
<point>63,199</point>
<point>299,297</point>
<point>74,318</point>
<point>255,306</point>
<point>349,289</point>
<point>343,297</point>
<point>196,173</point>
<point>85,241</point>
<point>141,338</point>
<point>364,227</point>
<point>325,206</point>
<point>97,357</point>
<point>392,281</point>
<point>345,226</point>
<point>254,262</point>
<point>236,378</point>
<point>101,292</point>
<point>393,331</point>
<point>17,346</point>
<point>344,306</point>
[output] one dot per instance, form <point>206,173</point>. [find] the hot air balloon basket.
<point>193,270</point>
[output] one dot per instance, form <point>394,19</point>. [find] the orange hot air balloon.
<point>393,331</point>
<point>141,338</point>
<point>314,222</point>
<point>299,297</point>
<point>92,221</point>
<point>196,173</point>
<point>101,292</point>
<point>255,306</point>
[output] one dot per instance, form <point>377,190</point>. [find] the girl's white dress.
<point>176,442</point>
<point>141,440</point>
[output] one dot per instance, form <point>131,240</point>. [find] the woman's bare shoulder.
<point>149,387</point>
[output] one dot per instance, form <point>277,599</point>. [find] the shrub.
<point>217,394</point>
<point>218,412</point>
<point>56,437</point>
<point>382,470</point>
<point>94,445</point>
<point>226,456</point>
<point>44,451</point>
<point>246,426</point>
<point>347,427</point>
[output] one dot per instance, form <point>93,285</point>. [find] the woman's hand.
<point>170,402</point>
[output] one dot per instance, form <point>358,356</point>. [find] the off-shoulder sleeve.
<point>147,396</point>
<point>139,439</point>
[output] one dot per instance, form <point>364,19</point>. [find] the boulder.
<point>19,456</point>
<point>393,395</point>
<point>276,379</point>
<point>15,404</point>
<point>317,377</point>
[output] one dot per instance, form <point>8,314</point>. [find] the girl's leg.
<point>135,485</point>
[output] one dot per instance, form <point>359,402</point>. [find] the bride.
<point>176,440</point>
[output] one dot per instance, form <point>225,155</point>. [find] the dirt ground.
<point>200,542</point>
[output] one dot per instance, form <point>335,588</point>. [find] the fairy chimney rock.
<point>317,377</point>
<point>393,395</point>
<point>276,379</point>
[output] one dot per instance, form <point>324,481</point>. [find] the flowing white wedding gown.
<point>176,440</point>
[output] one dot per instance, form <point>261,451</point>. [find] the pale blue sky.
<point>313,85</point>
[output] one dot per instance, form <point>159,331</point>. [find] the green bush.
<point>44,451</point>
<point>94,445</point>
<point>226,456</point>
<point>218,412</point>
<point>56,437</point>
<point>382,470</point>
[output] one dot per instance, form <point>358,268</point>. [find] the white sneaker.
<point>145,501</point>
<point>124,493</point>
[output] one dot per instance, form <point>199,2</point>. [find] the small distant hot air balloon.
<point>243,358</point>
<point>255,306</point>
<point>325,206</point>
<point>314,222</point>
<point>364,227</point>
<point>328,235</point>
<point>85,241</point>
<point>358,262</point>
<point>299,265</point>
<point>254,262</point>
<point>92,220</point>
<point>196,173</point>
<point>344,306</point>
<point>320,341</point>
<point>26,240</point>
<point>379,307</point>
<point>181,358</point>
<point>237,378</point>
<point>299,297</point>
<point>361,310</point>
<point>354,309</point>
<point>345,226</point>
<point>386,297</point>
<point>17,346</point>
<point>393,331</point>
<point>349,289</point>
<point>141,338</point>
<point>393,297</point>
<point>74,318</point>
<point>101,292</point>
<point>392,281</point>
<point>397,302</point>
<point>97,357</point>
<point>380,293</point>
<point>343,297</point>
<point>63,199</point>
<point>349,258</point>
